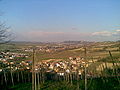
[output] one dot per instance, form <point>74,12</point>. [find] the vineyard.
<point>74,73</point>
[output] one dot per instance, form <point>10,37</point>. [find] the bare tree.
<point>4,33</point>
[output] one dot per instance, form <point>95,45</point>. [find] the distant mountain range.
<point>77,42</point>
<point>64,42</point>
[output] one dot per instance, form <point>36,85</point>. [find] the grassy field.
<point>93,84</point>
<point>93,51</point>
<point>97,50</point>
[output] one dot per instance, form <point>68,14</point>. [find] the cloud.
<point>118,30</point>
<point>52,36</point>
<point>107,33</point>
<point>36,35</point>
<point>41,33</point>
<point>102,33</point>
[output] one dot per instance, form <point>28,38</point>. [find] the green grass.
<point>27,86</point>
<point>93,84</point>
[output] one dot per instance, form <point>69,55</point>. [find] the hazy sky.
<point>59,20</point>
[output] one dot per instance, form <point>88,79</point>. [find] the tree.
<point>4,34</point>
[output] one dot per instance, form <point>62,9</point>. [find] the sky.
<point>61,20</point>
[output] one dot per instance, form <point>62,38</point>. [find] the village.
<point>57,62</point>
<point>71,64</point>
<point>14,61</point>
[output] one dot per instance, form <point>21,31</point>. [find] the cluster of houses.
<point>13,61</point>
<point>62,67</point>
<point>51,48</point>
